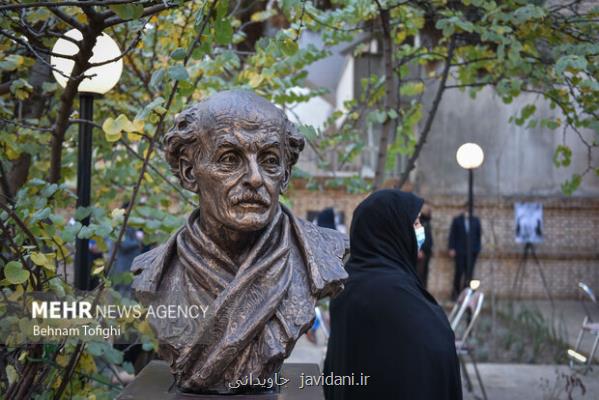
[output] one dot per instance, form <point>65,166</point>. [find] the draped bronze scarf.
<point>246,301</point>
<point>256,310</point>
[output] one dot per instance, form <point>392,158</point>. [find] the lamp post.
<point>470,156</point>
<point>101,79</point>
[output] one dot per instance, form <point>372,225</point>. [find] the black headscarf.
<point>385,324</point>
<point>382,232</point>
<point>326,219</point>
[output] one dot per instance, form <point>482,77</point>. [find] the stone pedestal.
<point>155,382</point>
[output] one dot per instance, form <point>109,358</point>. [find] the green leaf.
<point>377,117</point>
<point>49,190</point>
<point>41,214</point>
<point>562,156</point>
<point>198,53</point>
<point>82,212</point>
<point>289,47</point>
<point>156,78</point>
<point>223,32</point>
<point>149,108</point>
<point>86,232</point>
<point>308,131</point>
<point>526,112</point>
<point>178,54</point>
<point>178,73</point>
<point>570,61</point>
<point>570,186</point>
<point>128,11</point>
<point>14,272</point>
<point>411,88</point>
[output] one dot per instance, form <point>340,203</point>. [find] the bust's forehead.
<point>234,107</point>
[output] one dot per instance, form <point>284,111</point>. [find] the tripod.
<point>529,249</point>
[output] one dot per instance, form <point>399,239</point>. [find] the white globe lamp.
<point>98,79</point>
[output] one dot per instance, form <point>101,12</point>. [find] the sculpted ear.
<point>285,182</point>
<point>187,175</point>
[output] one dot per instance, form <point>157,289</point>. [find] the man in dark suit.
<point>461,227</point>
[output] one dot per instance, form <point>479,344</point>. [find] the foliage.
<point>174,53</point>
<point>546,49</point>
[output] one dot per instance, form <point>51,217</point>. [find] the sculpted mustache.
<point>250,198</point>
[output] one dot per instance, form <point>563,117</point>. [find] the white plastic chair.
<point>589,325</point>
<point>459,307</point>
<point>473,302</point>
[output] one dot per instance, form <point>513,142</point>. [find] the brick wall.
<point>569,254</point>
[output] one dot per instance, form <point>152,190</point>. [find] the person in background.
<point>425,253</point>
<point>458,244</point>
<point>384,324</point>
<point>325,219</point>
<point>129,248</point>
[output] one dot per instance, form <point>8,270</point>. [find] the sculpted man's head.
<point>236,150</point>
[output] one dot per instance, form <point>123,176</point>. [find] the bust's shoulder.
<point>326,249</point>
<point>148,268</point>
<point>333,241</point>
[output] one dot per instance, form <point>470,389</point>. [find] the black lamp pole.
<point>84,176</point>
<point>469,243</point>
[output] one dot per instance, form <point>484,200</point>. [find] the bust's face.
<point>239,174</point>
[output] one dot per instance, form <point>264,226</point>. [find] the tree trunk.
<point>32,108</point>
<point>390,102</point>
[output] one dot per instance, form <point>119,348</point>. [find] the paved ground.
<point>530,382</point>
<point>512,381</point>
<point>567,316</point>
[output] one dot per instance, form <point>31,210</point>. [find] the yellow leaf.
<point>113,137</point>
<point>57,382</point>
<point>122,122</point>
<point>117,213</point>
<point>134,137</point>
<point>97,270</point>
<point>11,153</point>
<point>39,258</point>
<point>129,126</point>
<point>138,125</point>
<point>113,133</point>
<point>113,128</point>
<point>255,80</point>
<point>400,37</point>
<point>11,374</point>
<point>43,260</point>
<point>63,360</point>
<point>16,295</point>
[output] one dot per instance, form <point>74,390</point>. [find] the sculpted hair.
<point>184,137</point>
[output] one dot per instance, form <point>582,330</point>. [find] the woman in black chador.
<point>385,324</point>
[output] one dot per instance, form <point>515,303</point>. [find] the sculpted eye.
<point>229,158</point>
<point>271,160</point>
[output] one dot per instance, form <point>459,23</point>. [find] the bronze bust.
<point>257,268</point>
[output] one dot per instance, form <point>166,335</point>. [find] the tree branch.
<point>431,116</point>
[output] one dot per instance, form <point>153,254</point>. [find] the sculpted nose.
<point>253,177</point>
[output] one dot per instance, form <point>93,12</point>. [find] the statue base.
<point>155,382</point>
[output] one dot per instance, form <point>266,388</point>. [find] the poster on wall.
<point>529,222</point>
